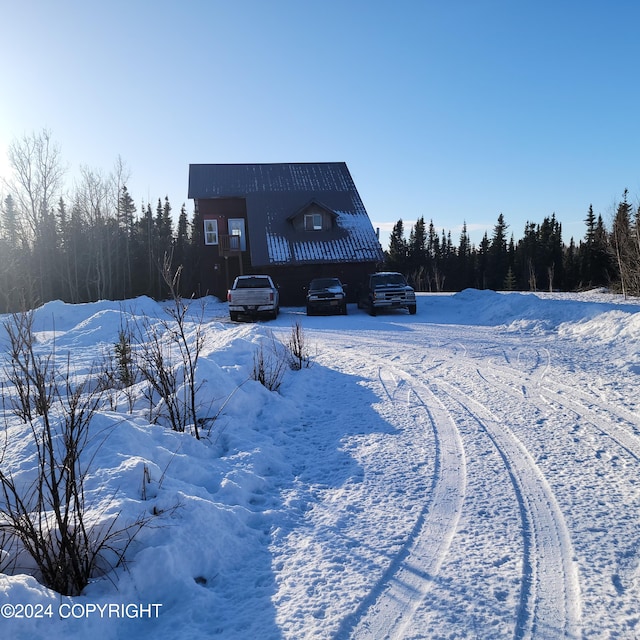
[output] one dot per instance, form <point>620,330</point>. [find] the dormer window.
<point>313,217</point>
<point>313,222</point>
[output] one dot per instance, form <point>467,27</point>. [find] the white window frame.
<point>311,222</point>
<point>210,232</point>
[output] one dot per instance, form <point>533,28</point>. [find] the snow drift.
<point>435,451</point>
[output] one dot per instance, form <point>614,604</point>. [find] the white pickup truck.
<point>253,295</point>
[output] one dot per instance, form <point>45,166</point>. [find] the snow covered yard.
<point>467,472</point>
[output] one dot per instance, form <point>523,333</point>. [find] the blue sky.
<point>455,110</point>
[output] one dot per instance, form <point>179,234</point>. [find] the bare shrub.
<point>168,358</point>
<point>9,550</point>
<point>156,365</point>
<point>299,356</point>
<point>269,364</point>
<point>46,518</point>
<point>188,347</point>
<point>30,374</point>
<point>271,361</point>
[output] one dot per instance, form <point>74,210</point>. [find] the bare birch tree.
<point>35,186</point>
<point>622,245</point>
<point>37,178</point>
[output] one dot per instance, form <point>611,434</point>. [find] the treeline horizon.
<point>88,242</point>
<point>539,261</point>
<point>92,242</point>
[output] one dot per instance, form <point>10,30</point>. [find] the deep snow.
<point>467,472</point>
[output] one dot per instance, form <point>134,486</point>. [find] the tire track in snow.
<point>623,438</point>
<point>391,604</point>
<point>549,603</point>
<point>574,399</point>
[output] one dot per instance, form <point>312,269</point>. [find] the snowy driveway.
<point>501,502</point>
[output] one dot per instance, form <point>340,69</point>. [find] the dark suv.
<point>326,295</point>
<point>387,290</point>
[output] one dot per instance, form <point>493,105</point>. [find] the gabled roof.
<point>275,192</point>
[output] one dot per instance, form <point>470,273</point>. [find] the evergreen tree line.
<point>82,254</point>
<point>92,244</point>
<point>539,261</point>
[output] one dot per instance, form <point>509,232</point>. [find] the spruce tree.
<point>509,281</point>
<point>587,249</point>
<point>462,273</point>
<point>621,241</point>
<point>396,257</point>
<point>482,273</point>
<point>12,257</point>
<point>125,228</point>
<point>526,256</point>
<point>594,258</point>
<point>417,254</point>
<point>571,269</point>
<point>464,243</point>
<point>181,255</point>
<point>10,222</point>
<point>497,255</point>
<point>146,233</point>
<point>550,254</point>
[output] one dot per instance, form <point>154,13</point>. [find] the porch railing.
<point>229,245</point>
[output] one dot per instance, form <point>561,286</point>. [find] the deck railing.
<point>229,245</point>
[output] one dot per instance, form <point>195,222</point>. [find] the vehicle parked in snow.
<point>253,295</point>
<point>387,290</point>
<point>326,295</point>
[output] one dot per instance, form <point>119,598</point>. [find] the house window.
<point>313,222</point>
<point>236,233</point>
<point>211,232</point>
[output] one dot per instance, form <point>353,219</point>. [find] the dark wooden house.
<point>293,221</point>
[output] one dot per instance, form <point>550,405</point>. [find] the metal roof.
<point>274,192</point>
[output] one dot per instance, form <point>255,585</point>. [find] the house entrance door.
<point>236,230</point>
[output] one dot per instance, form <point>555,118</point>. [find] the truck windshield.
<point>324,283</point>
<point>387,279</point>
<point>253,283</point>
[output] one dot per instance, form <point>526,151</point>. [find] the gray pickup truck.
<point>387,290</point>
<point>253,295</point>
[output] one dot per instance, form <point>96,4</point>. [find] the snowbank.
<point>272,524</point>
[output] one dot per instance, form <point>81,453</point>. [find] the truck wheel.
<point>372,310</point>
<point>412,309</point>
<point>234,315</point>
